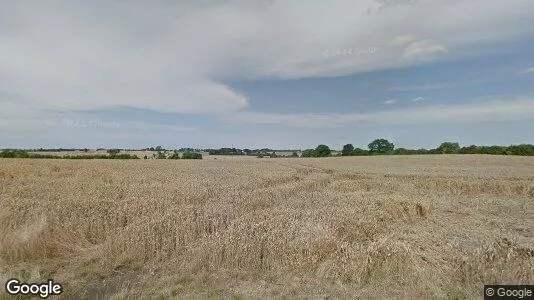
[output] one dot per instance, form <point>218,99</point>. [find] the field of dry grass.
<point>357,227</point>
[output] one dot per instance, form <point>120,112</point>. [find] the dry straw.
<point>368,227</point>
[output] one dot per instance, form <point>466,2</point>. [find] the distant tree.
<point>226,151</point>
<point>448,148</point>
<point>497,150</point>
<point>347,150</point>
<point>421,151</point>
<point>381,146</point>
<point>522,149</point>
<point>174,155</point>
<point>308,153</point>
<point>359,152</point>
<point>113,151</point>
<point>14,154</point>
<point>433,151</point>
<point>159,148</point>
<point>294,154</point>
<point>161,155</point>
<point>322,151</point>
<point>401,151</point>
<point>191,155</point>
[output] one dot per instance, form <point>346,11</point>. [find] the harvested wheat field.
<point>402,227</point>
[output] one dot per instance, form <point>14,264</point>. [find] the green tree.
<point>497,150</point>
<point>14,154</point>
<point>401,151</point>
<point>174,155</point>
<point>448,148</point>
<point>191,155</point>
<point>347,150</point>
<point>113,151</point>
<point>522,149</point>
<point>468,150</point>
<point>322,151</point>
<point>360,152</point>
<point>421,151</point>
<point>308,153</point>
<point>381,146</point>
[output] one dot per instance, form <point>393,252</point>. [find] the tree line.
<point>376,147</point>
<point>25,154</point>
<point>384,147</point>
<point>111,154</point>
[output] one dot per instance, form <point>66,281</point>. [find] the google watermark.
<point>81,123</point>
<point>509,292</point>
<point>348,52</point>
<point>43,290</point>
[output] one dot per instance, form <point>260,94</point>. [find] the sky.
<point>265,73</point>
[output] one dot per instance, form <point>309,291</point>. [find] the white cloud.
<point>418,99</point>
<point>499,110</point>
<point>526,71</point>
<point>385,4</point>
<point>423,49</point>
<point>177,56</point>
<point>390,101</point>
<point>401,40</point>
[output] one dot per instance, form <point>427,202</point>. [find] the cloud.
<point>385,4</point>
<point>527,71</point>
<point>395,2</point>
<point>180,56</point>
<point>418,99</point>
<point>390,101</point>
<point>436,86</point>
<point>423,49</point>
<point>83,123</point>
<point>417,49</point>
<point>498,110</point>
<point>401,40</point>
<point>424,87</point>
